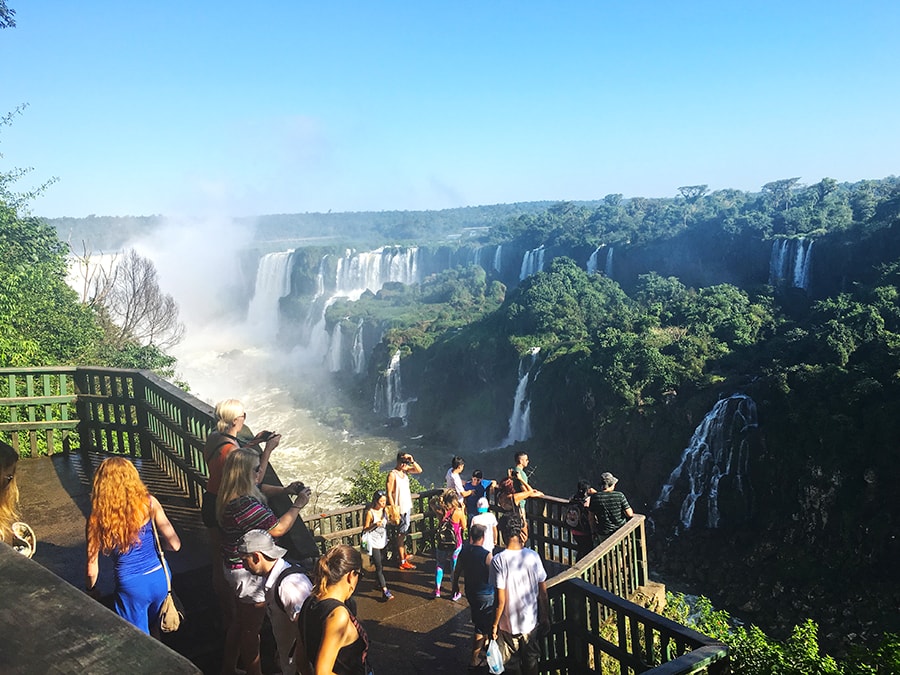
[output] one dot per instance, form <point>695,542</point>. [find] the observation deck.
<point>68,419</point>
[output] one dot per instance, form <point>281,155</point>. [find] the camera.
<point>266,435</point>
<point>409,461</point>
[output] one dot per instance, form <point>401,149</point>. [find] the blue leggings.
<point>444,559</point>
<point>139,597</point>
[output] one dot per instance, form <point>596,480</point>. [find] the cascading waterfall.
<point>389,398</point>
<point>273,282</point>
<point>357,273</point>
<point>334,349</point>
<point>592,261</point>
<point>520,417</point>
<point>719,450</point>
<point>608,270</point>
<point>498,258</point>
<point>790,262</point>
<point>532,262</point>
<point>358,350</point>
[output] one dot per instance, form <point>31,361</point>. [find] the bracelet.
<point>295,506</point>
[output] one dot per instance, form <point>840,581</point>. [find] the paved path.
<point>413,634</point>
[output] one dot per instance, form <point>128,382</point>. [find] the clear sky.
<point>197,108</point>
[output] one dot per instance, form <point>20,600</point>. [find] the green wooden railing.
<point>594,628</point>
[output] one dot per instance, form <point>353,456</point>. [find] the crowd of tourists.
<point>309,598</point>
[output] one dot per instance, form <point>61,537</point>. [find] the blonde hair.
<point>120,506</point>
<point>448,500</point>
<point>227,412</point>
<point>334,565</point>
<point>238,479</point>
<point>9,491</point>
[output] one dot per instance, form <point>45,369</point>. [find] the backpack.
<point>577,517</point>
<point>445,535</point>
<point>507,488</point>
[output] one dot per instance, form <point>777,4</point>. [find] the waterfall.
<point>719,450</point>
<point>789,262</point>
<point>608,270</point>
<point>358,350</point>
<point>532,262</point>
<point>476,257</point>
<point>592,261</point>
<point>389,392</point>
<point>520,417</point>
<point>357,273</point>
<point>334,349</point>
<point>273,282</point>
<point>498,258</point>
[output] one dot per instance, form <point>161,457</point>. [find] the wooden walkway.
<point>411,635</point>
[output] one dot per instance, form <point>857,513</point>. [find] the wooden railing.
<point>594,628</point>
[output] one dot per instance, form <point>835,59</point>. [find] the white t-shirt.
<point>293,591</point>
<point>519,572</point>
<point>489,521</point>
<point>454,482</point>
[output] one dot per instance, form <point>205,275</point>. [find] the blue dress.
<point>141,584</point>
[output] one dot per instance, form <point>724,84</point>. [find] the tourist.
<point>121,525</point>
<point>521,608</point>
<point>474,565</point>
<point>451,515</point>
<point>400,498</point>
<point>286,589</point>
<point>609,506</point>
<point>230,420</point>
<point>474,489</point>
<point>523,488</point>
<point>453,480</point>
<point>241,506</point>
<point>488,521</point>
<point>375,525</point>
<point>331,638</point>
<point>9,491</point>
<point>580,520</point>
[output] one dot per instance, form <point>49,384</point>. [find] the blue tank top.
<point>141,558</point>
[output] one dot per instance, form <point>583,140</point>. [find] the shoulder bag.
<point>172,611</point>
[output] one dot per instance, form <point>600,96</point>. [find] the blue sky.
<point>228,108</point>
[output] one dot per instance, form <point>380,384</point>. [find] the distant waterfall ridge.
<point>498,258</point>
<point>356,273</point>
<point>520,417</point>
<point>717,457</point>
<point>358,350</point>
<point>273,282</point>
<point>532,262</point>
<point>790,262</point>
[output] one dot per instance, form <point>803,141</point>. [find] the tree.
<point>138,310</point>
<point>7,16</point>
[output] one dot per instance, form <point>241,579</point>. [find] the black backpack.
<point>445,535</point>
<point>287,571</point>
<point>505,495</point>
<point>577,517</point>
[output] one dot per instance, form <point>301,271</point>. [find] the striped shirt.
<point>240,516</point>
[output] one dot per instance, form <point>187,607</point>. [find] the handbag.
<point>392,511</point>
<point>23,540</point>
<point>366,544</point>
<point>172,611</point>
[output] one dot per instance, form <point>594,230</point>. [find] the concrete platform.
<point>412,634</point>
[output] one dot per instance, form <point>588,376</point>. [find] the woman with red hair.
<point>121,526</point>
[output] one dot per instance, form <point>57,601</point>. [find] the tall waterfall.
<point>718,455</point>
<point>389,398</point>
<point>358,350</point>
<point>532,262</point>
<point>520,417</point>
<point>334,349</point>
<point>273,282</point>
<point>592,261</point>
<point>789,263</point>
<point>608,270</point>
<point>498,258</point>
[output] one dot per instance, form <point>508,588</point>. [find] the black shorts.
<point>482,607</point>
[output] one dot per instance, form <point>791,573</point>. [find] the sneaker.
<point>405,565</point>
<point>437,592</point>
<point>388,595</point>
<point>456,596</point>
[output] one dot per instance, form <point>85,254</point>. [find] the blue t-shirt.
<point>479,490</point>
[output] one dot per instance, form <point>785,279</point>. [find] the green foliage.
<point>754,653</point>
<point>368,478</point>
